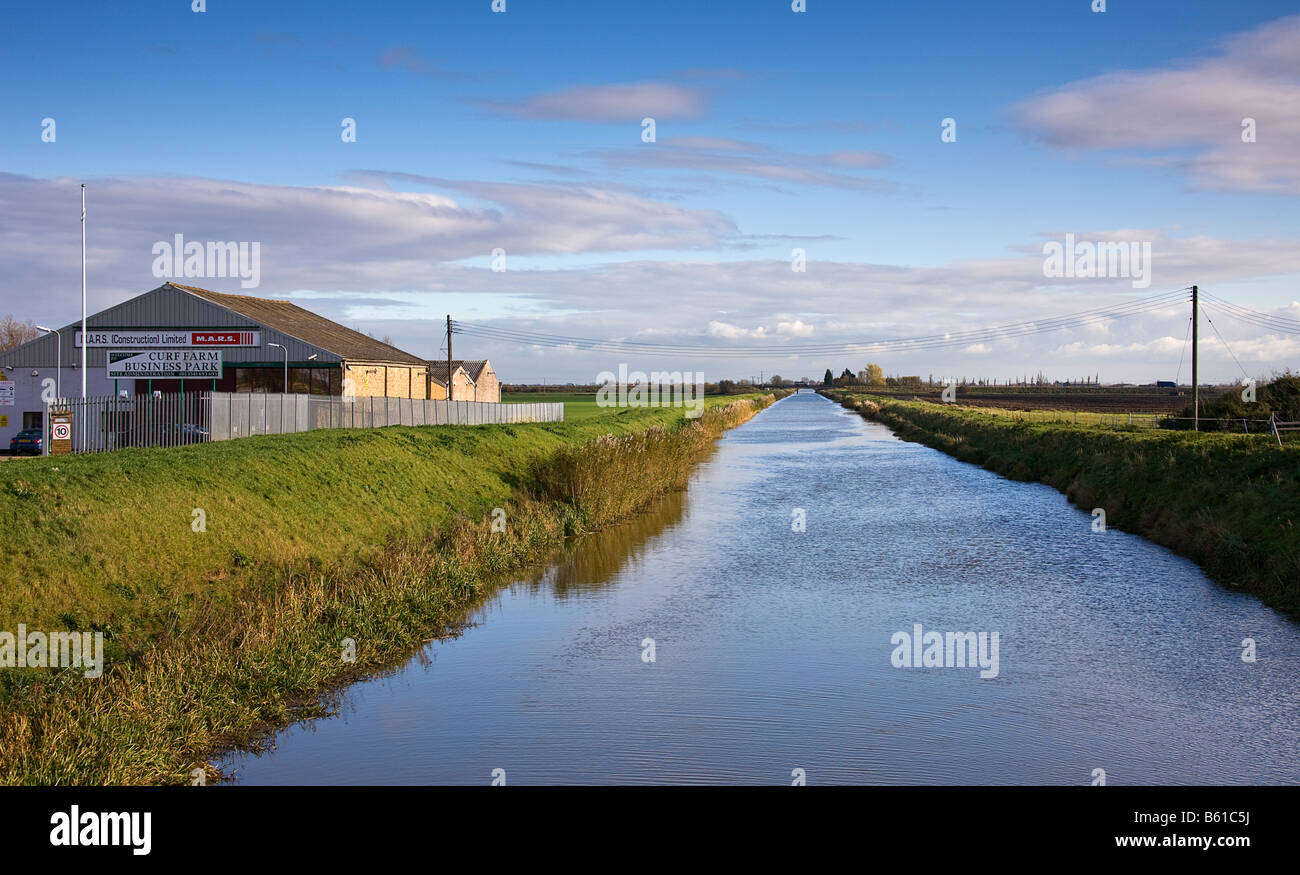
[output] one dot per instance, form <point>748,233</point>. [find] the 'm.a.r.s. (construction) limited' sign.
<point>164,364</point>
<point>173,338</point>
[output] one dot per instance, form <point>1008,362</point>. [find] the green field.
<point>1072,417</point>
<point>382,536</point>
<point>577,406</point>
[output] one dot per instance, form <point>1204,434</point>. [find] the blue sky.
<point>774,130</point>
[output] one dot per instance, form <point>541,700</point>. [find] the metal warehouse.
<point>182,339</point>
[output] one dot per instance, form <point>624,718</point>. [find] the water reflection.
<point>593,561</point>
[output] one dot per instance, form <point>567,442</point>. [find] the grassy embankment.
<point>1229,502</point>
<point>382,536</point>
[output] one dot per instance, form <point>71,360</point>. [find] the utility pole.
<point>448,356</point>
<point>1196,385</point>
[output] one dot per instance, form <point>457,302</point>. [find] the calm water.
<point>773,647</point>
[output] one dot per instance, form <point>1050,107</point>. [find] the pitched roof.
<point>307,326</point>
<point>473,368</point>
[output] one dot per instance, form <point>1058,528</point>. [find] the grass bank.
<point>1231,503</point>
<point>383,537</point>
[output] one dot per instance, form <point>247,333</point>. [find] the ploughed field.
<point>1137,399</point>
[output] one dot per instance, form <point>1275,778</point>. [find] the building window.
<point>32,419</point>
<point>305,381</point>
<point>300,380</point>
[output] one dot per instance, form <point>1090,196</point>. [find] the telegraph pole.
<point>448,356</point>
<point>1196,385</point>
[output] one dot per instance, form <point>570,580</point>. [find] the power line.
<point>972,336</point>
<point>949,338</point>
<point>1186,337</point>
<point>1257,318</point>
<point>1225,343</point>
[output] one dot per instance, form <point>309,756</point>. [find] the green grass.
<point>382,536</point>
<point>109,536</point>
<point>577,406</point>
<point>1072,417</point>
<point>1226,501</point>
<point>581,406</point>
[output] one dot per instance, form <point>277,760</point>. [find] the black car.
<point>29,440</point>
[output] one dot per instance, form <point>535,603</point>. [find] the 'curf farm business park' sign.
<point>171,338</point>
<point>164,364</point>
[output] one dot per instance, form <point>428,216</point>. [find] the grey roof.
<point>307,326</point>
<point>300,331</point>
<point>473,368</point>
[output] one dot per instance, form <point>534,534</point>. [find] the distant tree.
<point>829,378</point>
<point>875,375</point>
<point>776,380</point>
<point>847,375</point>
<point>14,332</point>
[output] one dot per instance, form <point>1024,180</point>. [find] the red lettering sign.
<point>210,338</point>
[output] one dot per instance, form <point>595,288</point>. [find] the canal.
<point>774,648</point>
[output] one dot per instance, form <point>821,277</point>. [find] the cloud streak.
<point>1157,115</point>
<point>607,103</point>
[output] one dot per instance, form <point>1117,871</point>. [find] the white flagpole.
<point>81,414</point>
<point>83,295</point>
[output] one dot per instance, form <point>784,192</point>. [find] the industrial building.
<point>179,338</point>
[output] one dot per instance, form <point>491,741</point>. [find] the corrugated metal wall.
<point>163,307</point>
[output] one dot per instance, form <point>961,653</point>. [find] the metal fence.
<point>102,424</point>
<point>106,423</point>
<point>242,414</point>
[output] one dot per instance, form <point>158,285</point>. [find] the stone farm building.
<point>471,380</point>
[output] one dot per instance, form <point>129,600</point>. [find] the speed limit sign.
<point>60,432</point>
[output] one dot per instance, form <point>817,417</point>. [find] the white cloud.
<point>733,332</point>
<point>742,158</point>
<point>1198,106</point>
<point>338,237</point>
<point>608,103</point>
<point>388,260</point>
<point>797,328</point>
